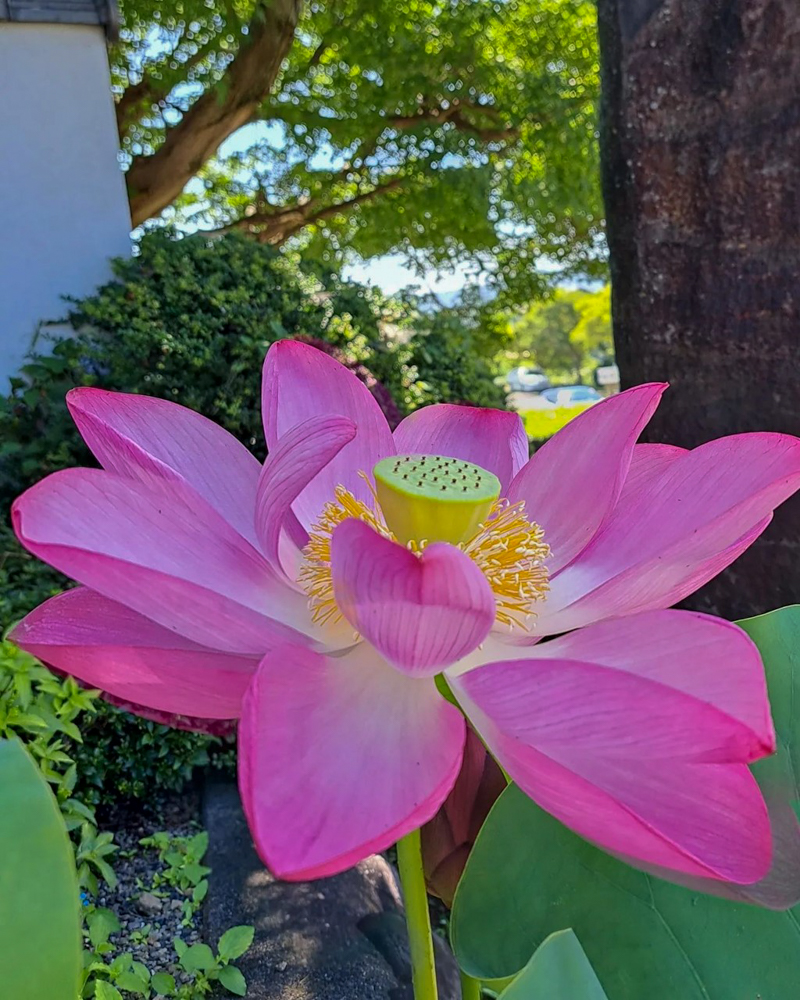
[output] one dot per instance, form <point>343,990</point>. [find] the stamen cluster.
<point>508,548</point>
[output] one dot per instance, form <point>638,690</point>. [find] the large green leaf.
<point>559,970</point>
<point>528,876</point>
<point>40,939</point>
<point>777,635</point>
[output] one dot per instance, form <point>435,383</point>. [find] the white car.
<point>527,380</point>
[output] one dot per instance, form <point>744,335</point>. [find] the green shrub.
<point>121,755</point>
<point>449,357</point>
<point>24,580</point>
<point>188,320</point>
<point>43,711</point>
<point>127,757</point>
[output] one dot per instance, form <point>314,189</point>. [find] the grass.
<point>542,424</point>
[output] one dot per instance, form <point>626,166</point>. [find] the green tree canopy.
<point>450,131</point>
<point>566,333</point>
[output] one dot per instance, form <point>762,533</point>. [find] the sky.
<point>391,273</point>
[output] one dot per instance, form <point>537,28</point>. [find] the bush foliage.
<point>450,354</point>
<point>43,712</point>
<point>187,320</point>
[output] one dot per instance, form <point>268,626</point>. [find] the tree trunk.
<point>155,181</point>
<point>701,176</point>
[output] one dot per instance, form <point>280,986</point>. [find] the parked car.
<point>525,379</point>
<point>572,395</point>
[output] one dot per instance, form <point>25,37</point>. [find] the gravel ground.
<point>135,867</point>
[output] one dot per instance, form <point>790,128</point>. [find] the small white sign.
<point>607,375</point>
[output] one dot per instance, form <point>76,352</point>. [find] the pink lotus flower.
<point>318,598</point>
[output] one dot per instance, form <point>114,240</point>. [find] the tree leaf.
<point>233,980</point>
<point>559,970</point>
<point>643,936</point>
<point>235,942</point>
<point>40,945</point>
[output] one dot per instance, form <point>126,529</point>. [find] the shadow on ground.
<point>341,938</point>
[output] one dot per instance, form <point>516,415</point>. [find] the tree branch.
<point>486,134</point>
<point>359,199</point>
<point>155,181</point>
<point>147,89</point>
<point>278,226</point>
<point>318,53</point>
<point>454,113</point>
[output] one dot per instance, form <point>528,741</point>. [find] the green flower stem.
<point>418,918</point>
<point>470,988</point>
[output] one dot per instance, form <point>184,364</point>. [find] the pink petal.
<point>573,481</point>
<point>567,707</point>
<point>300,383</point>
<point>140,436</point>
<point>191,724</point>
<point>703,819</point>
<point>290,555</point>
<point>298,457</point>
<point>339,758</point>
<point>779,889</point>
<point>675,532</point>
<point>633,764</point>
<point>493,439</point>
<point>108,646</point>
<point>161,550</point>
<point>422,612</point>
<point>648,462</point>
<point>705,657</point>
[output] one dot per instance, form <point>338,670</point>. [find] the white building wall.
<point>63,206</point>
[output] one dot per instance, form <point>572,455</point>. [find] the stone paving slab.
<point>341,938</point>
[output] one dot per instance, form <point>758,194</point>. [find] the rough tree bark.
<point>156,181</point>
<point>701,175</point>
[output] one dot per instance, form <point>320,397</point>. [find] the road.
<point>523,401</point>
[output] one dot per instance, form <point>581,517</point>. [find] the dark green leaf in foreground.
<point>40,943</point>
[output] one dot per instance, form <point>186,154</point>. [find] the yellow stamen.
<point>508,547</point>
<point>315,575</point>
<point>511,551</point>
